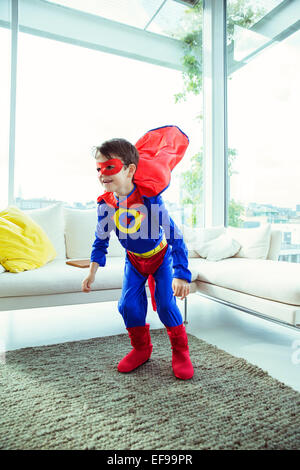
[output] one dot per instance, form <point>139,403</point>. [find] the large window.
<point>71,98</point>
<point>263,118</point>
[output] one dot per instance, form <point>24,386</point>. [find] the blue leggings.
<point>133,302</point>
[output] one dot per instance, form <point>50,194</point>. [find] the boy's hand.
<point>86,283</point>
<point>180,288</point>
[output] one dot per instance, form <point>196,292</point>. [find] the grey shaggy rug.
<point>71,396</point>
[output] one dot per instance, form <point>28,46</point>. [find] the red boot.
<point>181,363</point>
<point>142,348</point>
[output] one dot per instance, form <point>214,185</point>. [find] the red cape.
<point>160,151</point>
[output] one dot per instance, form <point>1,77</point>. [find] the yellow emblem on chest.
<point>122,213</point>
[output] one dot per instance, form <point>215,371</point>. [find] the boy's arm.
<point>99,251</point>
<point>102,236</point>
<point>175,239</point>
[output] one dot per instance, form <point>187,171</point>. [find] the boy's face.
<point>118,181</point>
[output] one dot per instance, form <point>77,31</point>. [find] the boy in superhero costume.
<point>132,206</point>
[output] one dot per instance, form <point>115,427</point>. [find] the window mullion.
<point>214,105</point>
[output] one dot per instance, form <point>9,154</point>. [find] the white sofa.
<point>265,287</point>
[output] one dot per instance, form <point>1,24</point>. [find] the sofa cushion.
<point>193,266</point>
<point>194,237</point>
<point>273,280</point>
<point>80,227</point>
<point>51,220</point>
<point>275,245</point>
<point>24,245</point>
<point>255,242</point>
<point>57,277</point>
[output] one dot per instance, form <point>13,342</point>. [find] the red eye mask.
<point>111,167</point>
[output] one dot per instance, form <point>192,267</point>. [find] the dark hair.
<point>121,148</point>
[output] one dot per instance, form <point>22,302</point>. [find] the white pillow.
<point>254,242</point>
<point>80,227</point>
<point>219,248</point>
<point>2,269</point>
<point>195,237</point>
<point>51,220</point>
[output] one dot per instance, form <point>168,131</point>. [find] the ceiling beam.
<point>277,25</point>
<point>57,22</point>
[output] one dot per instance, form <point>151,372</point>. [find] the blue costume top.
<point>140,224</point>
<point>140,219</point>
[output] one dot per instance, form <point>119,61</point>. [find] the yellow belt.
<point>150,253</point>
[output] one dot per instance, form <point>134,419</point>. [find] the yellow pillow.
<point>23,243</point>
